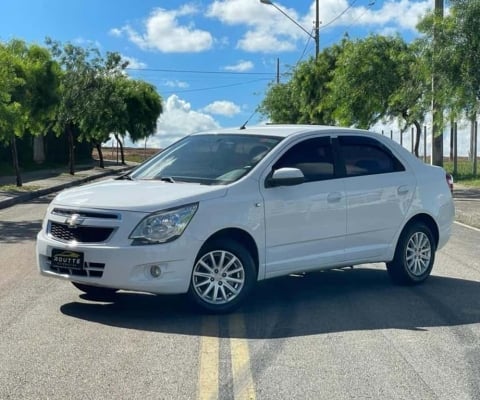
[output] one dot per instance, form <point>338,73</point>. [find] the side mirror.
<point>285,177</point>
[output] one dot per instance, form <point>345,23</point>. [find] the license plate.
<point>67,259</point>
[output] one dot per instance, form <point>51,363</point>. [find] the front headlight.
<point>163,226</point>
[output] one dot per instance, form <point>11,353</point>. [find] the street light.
<point>316,36</point>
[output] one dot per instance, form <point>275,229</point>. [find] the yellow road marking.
<point>209,354</point>
<point>243,388</point>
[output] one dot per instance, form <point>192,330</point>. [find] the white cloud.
<point>87,42</point>
<point>264,42</point>
<point>267,31</point>
<point>164,32</point>
<point>134,63</point>
<point>176,84</point>
<point>270,31</point>
<point>178,120</point>
<point>222,107</point>
<point>403,14</point>
<point>115,32</point>
<point>241,66</point>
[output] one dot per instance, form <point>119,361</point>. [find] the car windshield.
<point>211,159</point>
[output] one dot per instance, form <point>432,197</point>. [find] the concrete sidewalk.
<point>46,181</point>
<point>467,205</point>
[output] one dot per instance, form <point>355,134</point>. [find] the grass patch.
<point>464,174</point>
<point>6,169</point>
<point>135,158</point>
<point>21,189</point>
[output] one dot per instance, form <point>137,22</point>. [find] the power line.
<point>198,71</point>
<point>304,50</point>
<point>329,23</point>
<point>339,15</point>
<point>214,87</point>
<point>367,8</point>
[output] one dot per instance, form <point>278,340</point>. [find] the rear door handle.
<point>334,197</point>
<point>403,190</point>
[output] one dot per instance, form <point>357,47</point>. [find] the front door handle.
<point>402,190</point>
<point>334,197</point>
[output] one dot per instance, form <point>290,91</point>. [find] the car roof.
<point>292,130</point>
<point>283,130</point>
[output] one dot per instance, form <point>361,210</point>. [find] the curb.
<point>42,192</point>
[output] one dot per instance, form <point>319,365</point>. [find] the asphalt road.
<point>335,335</point>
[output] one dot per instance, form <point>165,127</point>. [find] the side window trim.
<point>398,166</point>
<point>328,143</point>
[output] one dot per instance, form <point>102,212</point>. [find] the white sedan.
<point>218,211</point>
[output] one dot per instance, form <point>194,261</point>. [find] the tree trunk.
<point>437,136</point>
<point>472,135</point>
<point>15,161</point>
<point>39,149</point>
<point>437,104</point>
<point>121,148</point>
<point>98,146</point>
<point>452,123</point>
<point>475,141</point>
<point>418,137</point>
<point>71,149</point>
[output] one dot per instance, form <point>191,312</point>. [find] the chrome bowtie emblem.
<point>74,220</point>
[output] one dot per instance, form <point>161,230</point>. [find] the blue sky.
<point>211,61</point>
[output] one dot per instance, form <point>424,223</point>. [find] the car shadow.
<point>293,306</point>
<point>15,231</point>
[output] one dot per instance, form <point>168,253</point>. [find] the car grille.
<point>80,234</point>
<point>86,214</point>
<point>92,270</point>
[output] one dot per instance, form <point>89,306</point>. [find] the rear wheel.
<point>94,291</point>
<point>414,256</point>
<point>223,275</point>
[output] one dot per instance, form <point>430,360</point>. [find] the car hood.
<point>143,196</point>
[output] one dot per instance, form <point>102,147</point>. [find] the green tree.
<point>106,111</point>
<point>141,107</point>
<point>79,81</point>
<point>29,78</point>
<point>303,99</point>
<point>367,73</point>
<point>453,43</point>
<point>10,108</point>
<point>410,99</point>
<point>144,106</point>
<point>280,105</point>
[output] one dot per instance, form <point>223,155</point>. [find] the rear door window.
<point>367,156</point>
<point>314,157</point>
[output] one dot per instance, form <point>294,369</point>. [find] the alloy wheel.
<point>418,253</point>
<point>218,277</point>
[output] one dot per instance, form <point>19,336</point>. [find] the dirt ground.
<point>131,153</point>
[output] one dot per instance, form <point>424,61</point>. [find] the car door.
<point>305,224</point>
<point>379,190</point>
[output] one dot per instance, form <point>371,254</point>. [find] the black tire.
<point>220,291</point>
<point>95,291</point>
<point>414,255</point>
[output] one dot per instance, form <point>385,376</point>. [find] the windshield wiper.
<point>125,176</point>
<point>166,179</point>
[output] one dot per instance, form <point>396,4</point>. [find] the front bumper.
<point>125,267</point>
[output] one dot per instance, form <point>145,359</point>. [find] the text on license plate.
<point>67,259</point>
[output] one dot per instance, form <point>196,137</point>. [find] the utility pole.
<point>316,35</point>
<point>437,107</point>
<point>317,29</point>
<point>278,70</point>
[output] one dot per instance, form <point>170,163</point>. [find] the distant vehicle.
<point>449,178</point>
<point>218,211</point>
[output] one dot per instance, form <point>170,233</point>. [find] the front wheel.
<point>95,291</point>
<point>223,275</point>
<point>414,255</point>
